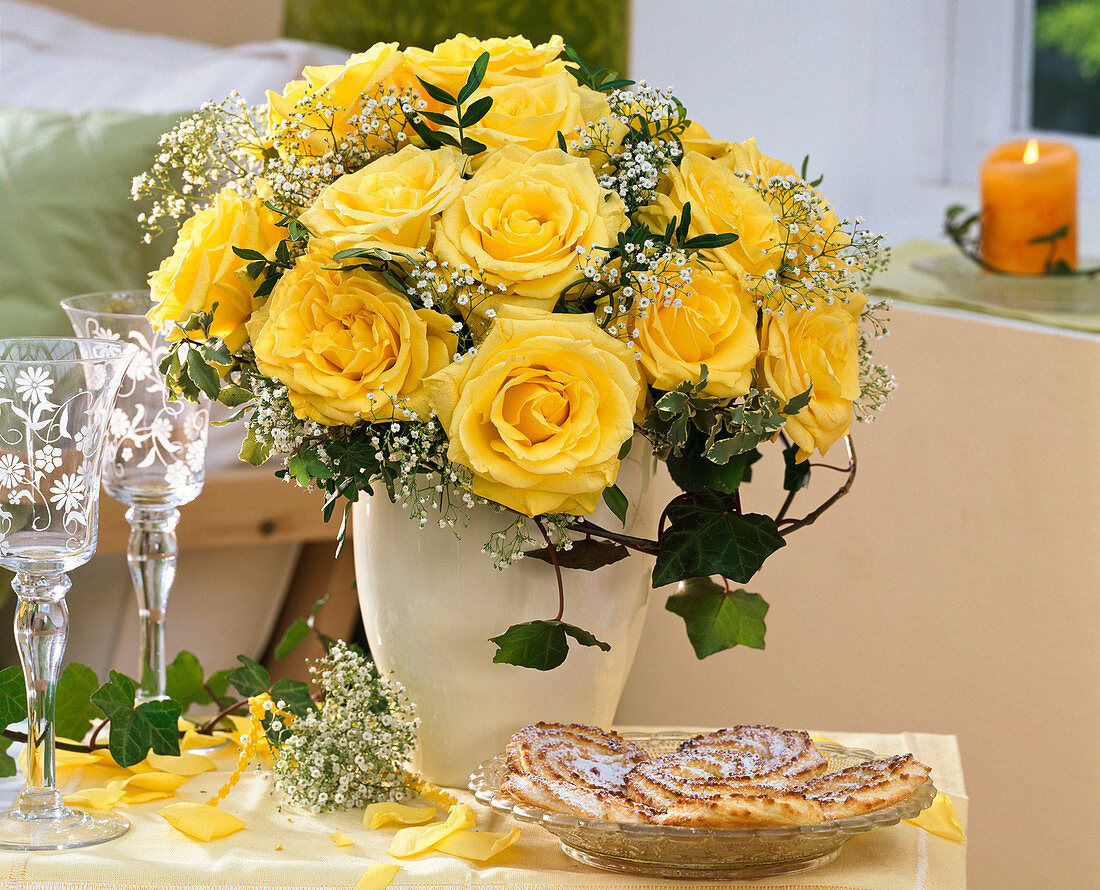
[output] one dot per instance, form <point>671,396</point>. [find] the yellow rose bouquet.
<point>481,274</point>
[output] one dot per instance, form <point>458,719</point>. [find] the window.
<point>1022,68</point>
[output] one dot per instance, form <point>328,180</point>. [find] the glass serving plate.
<point>1028,293</point>
<point>700,853</point>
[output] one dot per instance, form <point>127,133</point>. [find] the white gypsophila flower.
<point>352,751</point>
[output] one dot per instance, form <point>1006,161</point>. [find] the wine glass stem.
<point>41,630</point>
<point>151,555</point>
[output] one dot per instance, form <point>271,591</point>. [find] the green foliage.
<point>708,535</point>
<point>1073,28</point>
<point>294,635</point>
<point>717,618</point>
<point>13,695</point>
<point>137,729</point>
<point>541,645</point>
<point>463,117</point>
<point>73,706</point>
<point>616,501</point>
<point>250,678</point>
<point>603,79</point>
<point>588,554</point>
<point>795,475</point>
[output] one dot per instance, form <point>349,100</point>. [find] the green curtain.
<point>597,29</point>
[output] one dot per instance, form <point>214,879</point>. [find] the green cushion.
<point>67,223</point>
<point>596,28</point>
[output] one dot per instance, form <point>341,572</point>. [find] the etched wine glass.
<point>155,461</point>
<point>56,397</point>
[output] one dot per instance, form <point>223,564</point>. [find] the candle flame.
<point>1031,152</point>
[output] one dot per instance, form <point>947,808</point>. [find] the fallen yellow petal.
<point>144,796</point>
<point>941,820</point>
<point>183,765</point>
<point>378,877</point>
<point>201,822</point>
<point>156,781</point>
<point>341,840</point>
<point>391,813</point>
<point>477,845</point>
<point>96,798</point>
<point>410,841</point>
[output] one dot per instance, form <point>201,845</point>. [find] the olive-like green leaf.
<point>471,147</point>
<point>476,111</point>
<point>294,635</point>
<point>13,696</point>
<point>717,619</point>
<point>796,475</point>
<point>250,678</point>
<point>588,554</point>
<point>798,402</point>
<point>232,395</point>
<point>476,76</point>
<point>707,536</point>
<point>438,93</point>
<point>73,707</point>
<point>253,451</point>
<point>541,645</point>
<point>440,120</point>
<point>247,253</point>
<point>615,499</point>
<point>204,376</point>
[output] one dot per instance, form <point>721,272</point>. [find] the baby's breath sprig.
<point>221,145</point>
<point>639,138</point>
<point>822,258</point>
<point>309,151</point>
<point>353,750</point>
<point>876,382</point>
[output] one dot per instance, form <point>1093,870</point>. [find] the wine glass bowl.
<point>56,396</point>
<point>156,450</point>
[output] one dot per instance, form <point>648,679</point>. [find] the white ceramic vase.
<point>431,601</point>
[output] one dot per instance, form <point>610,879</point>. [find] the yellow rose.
<point>540,413</point>
<point>203,269</point>
<point>818,347</point>
<point>713,325</point>
<point>390,203</point>
<point>520,219</point>
<point>720,203</point>
<point>747,158</point>
<point>510,59</point>
<point>696,138</point>
<point>347,346</point>
<point>345,88</point>
<point>532,112</point>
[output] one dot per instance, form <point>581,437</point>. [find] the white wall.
<point>867,88</point>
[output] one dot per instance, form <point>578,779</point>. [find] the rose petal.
<point>477,845</point>
<point>378,815</point>
<point>378,877</point>
<point>201,822</point>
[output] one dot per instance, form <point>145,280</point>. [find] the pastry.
<point>866,786</point>
<point>570,768</point>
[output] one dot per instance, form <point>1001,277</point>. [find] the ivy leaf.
<point>184,681</point>
<point>693,470</point>
<point>717,619</point>
<point>152,725</point>
<point>615,499</point>
<point>588,554</point>
<point>250,678</point>
<point>13,696</point>
<point>73,706</point>
<point>541,645</point>
<point>135,730</point>
<point>115,698</point>
<point>295,694</point>
<point>218,684</point>
<point>294,635</point>
<point>707,536</point>
<point>796,475</point>
<point>7,762</point>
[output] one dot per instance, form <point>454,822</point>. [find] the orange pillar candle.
<point>1029,189</point>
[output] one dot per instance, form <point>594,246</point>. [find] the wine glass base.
<point>72,828</point>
